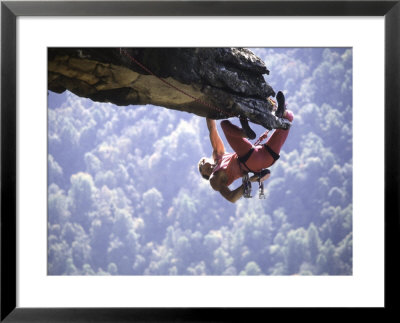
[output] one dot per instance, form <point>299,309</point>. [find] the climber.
<point>224,168</point>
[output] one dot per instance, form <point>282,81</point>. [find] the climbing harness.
<point>245,158</point>
<point>247,184</point>
<point>246,180</point>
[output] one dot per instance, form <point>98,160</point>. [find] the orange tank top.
<point>230,164</point>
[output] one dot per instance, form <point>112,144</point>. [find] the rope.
<point>134,60</point>
<point>262,137</point>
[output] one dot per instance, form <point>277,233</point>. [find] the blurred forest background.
<point>125,196</point>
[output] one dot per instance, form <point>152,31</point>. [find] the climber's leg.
<point>279,136</point>
<point>234,136</point>
<point>246,128</point>
<point>266,155</point>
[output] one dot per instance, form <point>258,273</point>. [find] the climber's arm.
<point>217,182</point>
<point>215,139</point>
<point>232,196</point>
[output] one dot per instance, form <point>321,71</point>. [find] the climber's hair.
<point>206,177</point>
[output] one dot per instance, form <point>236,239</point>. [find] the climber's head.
<point>206,166</point>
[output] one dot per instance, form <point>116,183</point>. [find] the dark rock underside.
<point>210,82</point>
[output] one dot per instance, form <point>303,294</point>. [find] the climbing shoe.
<point>246,128</point>
<point>281,105</point>
<point>263,175</point>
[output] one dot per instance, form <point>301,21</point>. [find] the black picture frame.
<point>10,10</point>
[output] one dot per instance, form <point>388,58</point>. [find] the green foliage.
<point>125,196</point>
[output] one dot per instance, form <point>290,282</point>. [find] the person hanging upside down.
<point>224,168</point>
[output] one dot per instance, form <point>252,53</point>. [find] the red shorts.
<point>260,158</point>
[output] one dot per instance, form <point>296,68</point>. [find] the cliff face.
<point>209,82</point>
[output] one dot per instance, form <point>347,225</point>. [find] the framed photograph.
<point>107,214</point>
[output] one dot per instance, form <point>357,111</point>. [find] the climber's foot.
<point>246,128</point>
<point>264,174</point>
<point>281,105</point>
